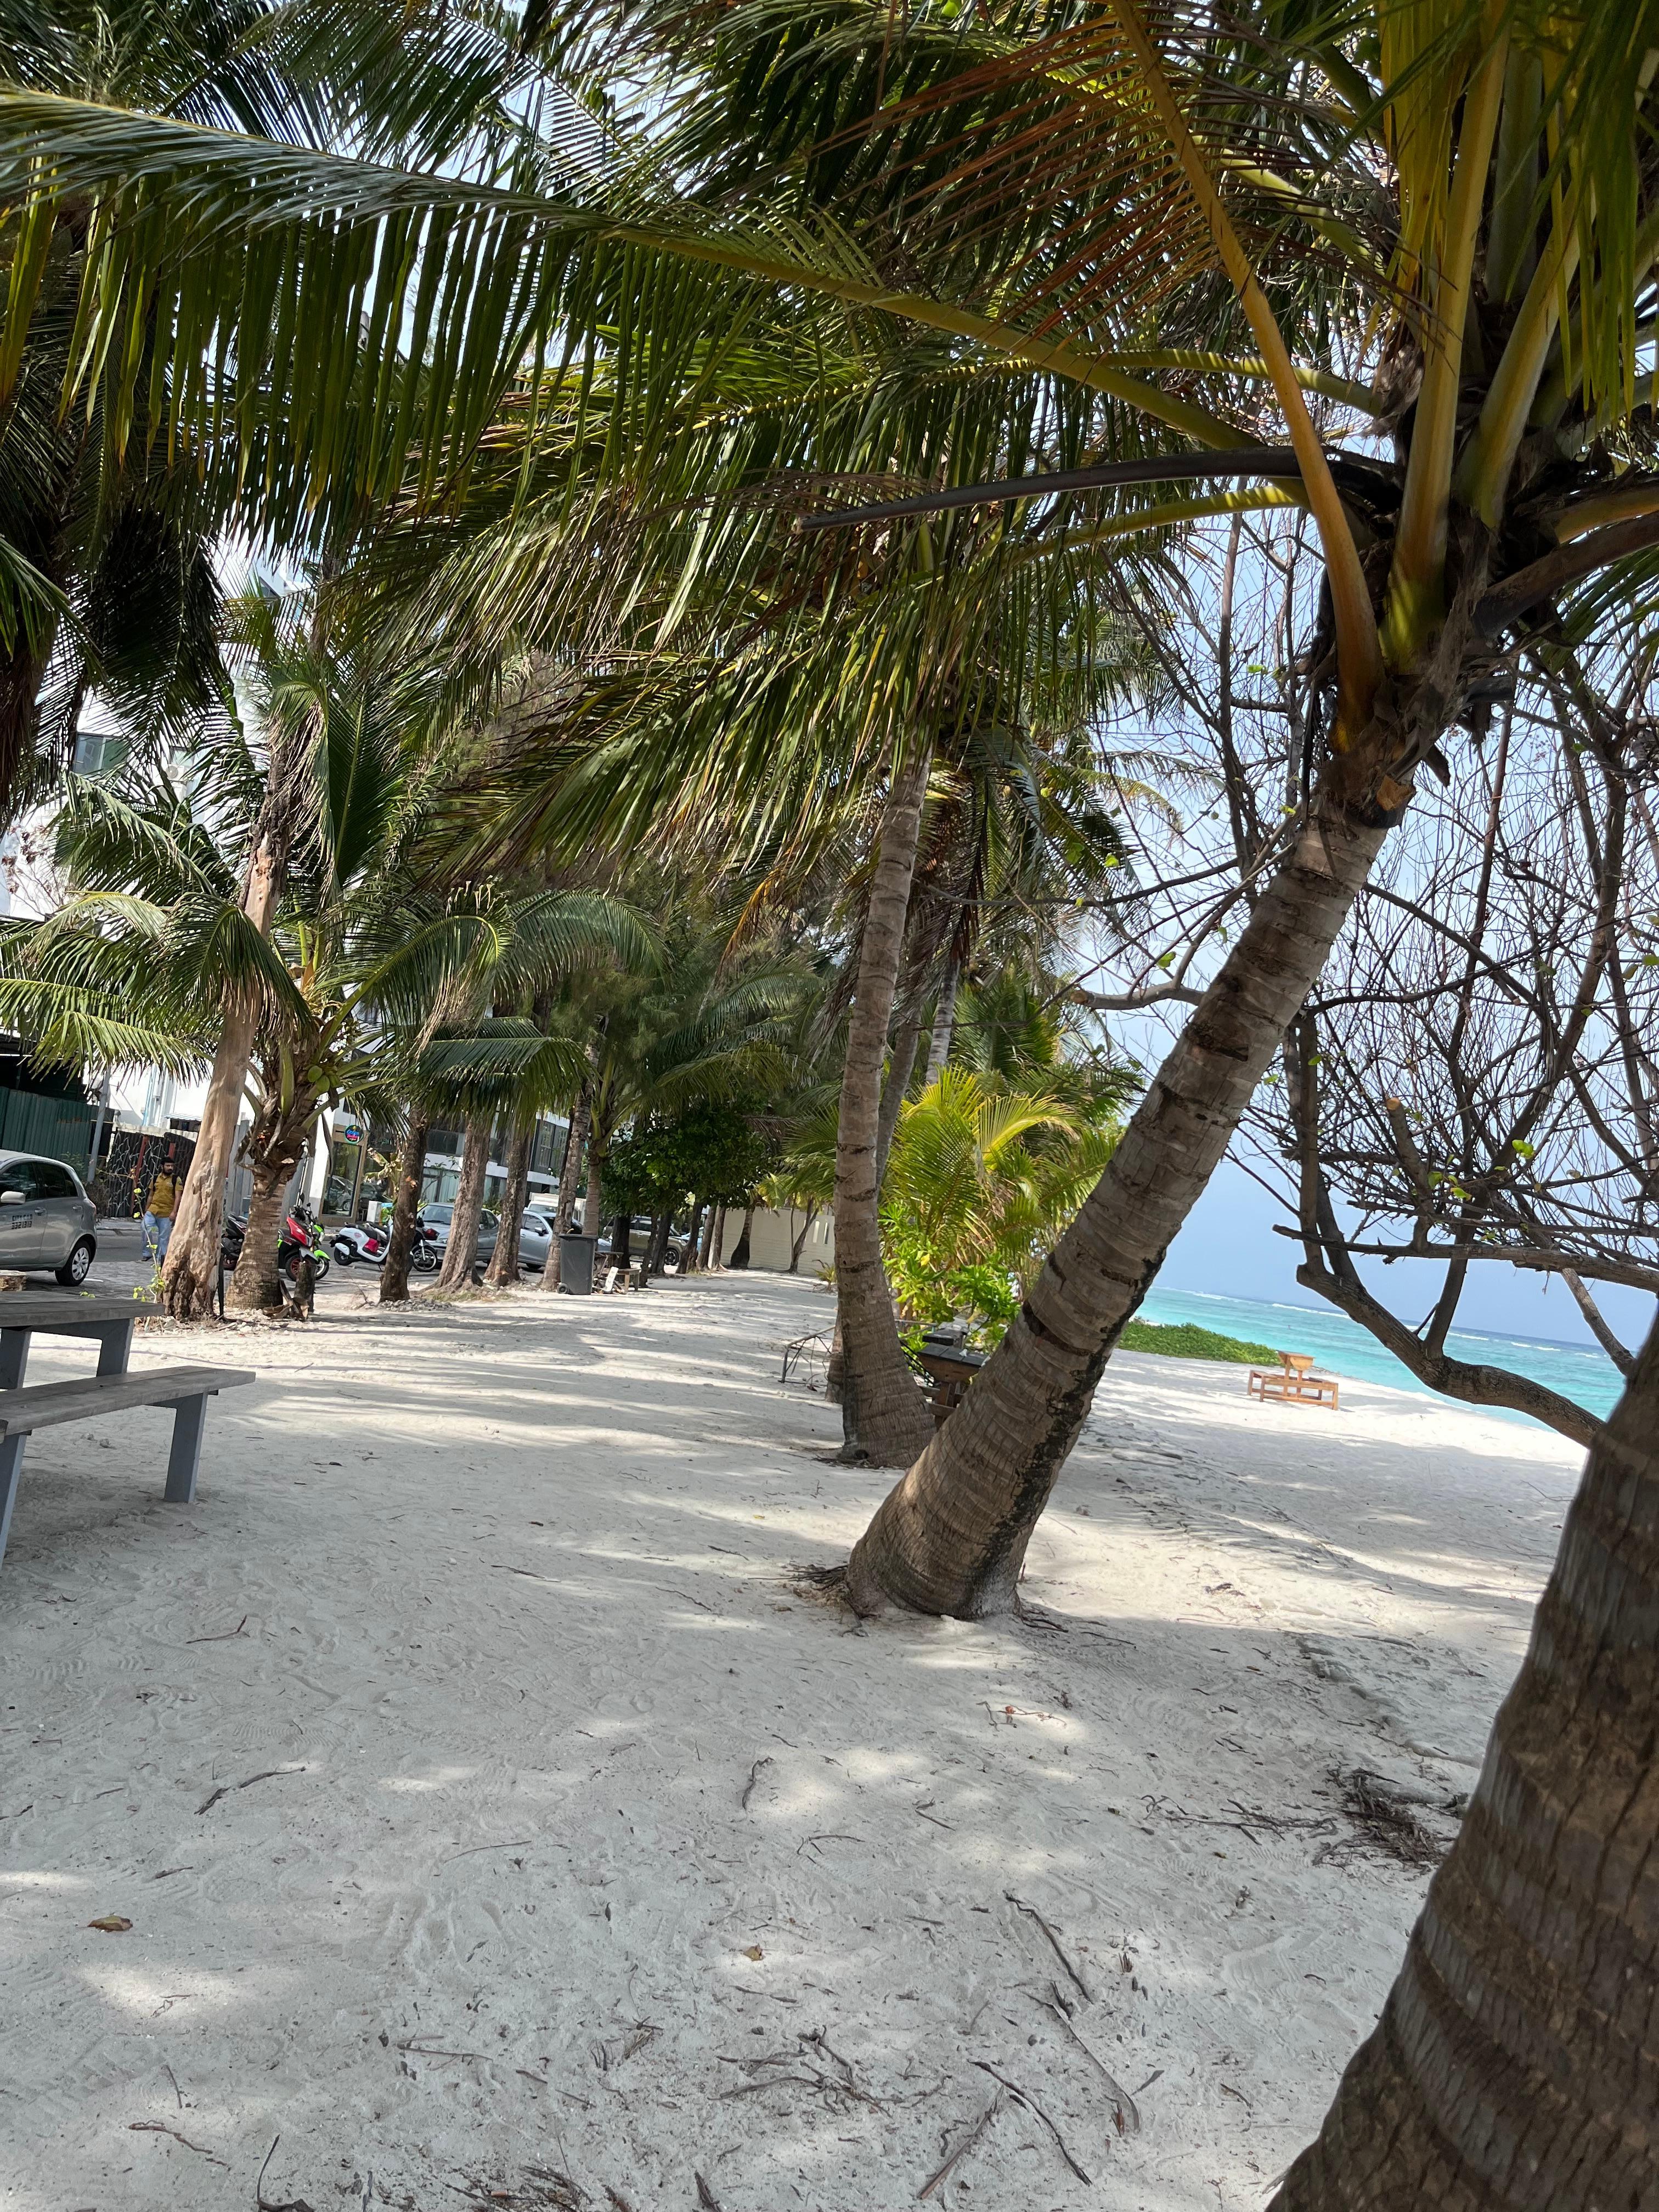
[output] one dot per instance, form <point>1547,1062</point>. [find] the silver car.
<point>436,1220</point>
<point>535,1234</point>
<point>46,1218</point>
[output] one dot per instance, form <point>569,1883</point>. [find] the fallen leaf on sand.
<point>753,1952</point>
<point>113,1923</point>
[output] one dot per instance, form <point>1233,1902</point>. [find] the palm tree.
<point>364,944</point>
<point>1087,179</point>
<point>155,925</point>
<point>714,1023</point>
<point>938,632</point>
<point>109,505</point>
<point>1512,2069</point>
<point>274,800</point>
<point>818,738</point>
<point>512,1068</point>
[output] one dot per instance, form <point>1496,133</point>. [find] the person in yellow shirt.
<point>158,1215</point>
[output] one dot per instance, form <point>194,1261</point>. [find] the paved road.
<point>122,1265</point>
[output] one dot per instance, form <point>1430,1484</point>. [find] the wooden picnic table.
<point>108,1320</point>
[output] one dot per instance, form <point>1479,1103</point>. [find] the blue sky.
<point>1229,1249</point>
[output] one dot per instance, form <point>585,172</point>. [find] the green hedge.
<point>1186,1341</point>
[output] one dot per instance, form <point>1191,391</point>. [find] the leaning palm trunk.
<point>190,1273</point>
<point>462,1248</point>
<point>22,670</point>
<point>795,1247</point>
<point>885,1417</point>
<point>1514,2069</point>
<point>503,1270</point>
<point>951,1537</point>
<point>406,1206</point>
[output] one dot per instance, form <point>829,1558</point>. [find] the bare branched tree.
<point>1472,1082</point>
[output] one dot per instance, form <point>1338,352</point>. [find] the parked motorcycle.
<point>300,1235</point>
<point>356,1242</point>
<point>302,1238</point>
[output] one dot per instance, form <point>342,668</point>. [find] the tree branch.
<point>1476,1384</point>
<point>1548,1263</point>
<point>1131,1002</point>
<point>1623,1359</point>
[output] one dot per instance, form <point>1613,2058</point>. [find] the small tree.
<point>984,1176</point>
<point>712,1151</point>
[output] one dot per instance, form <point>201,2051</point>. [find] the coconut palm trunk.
<point>504,1270</point>
<point>274,1149</point>
<point>190,1273</point>
<point>462,1250</point>
<point>591,1203</point>
<point>885,1417</point>
<point>406,1206</point>
<point>657,1252</point>
<point>1515,2067</point>
<point>796,1247</point>
<point>901,1065</point>
<point>564,1211</point>
<point>951,1537</point>
<point>741,1249</point>
<point>945,1022</point>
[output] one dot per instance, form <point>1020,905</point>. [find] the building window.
<point>98,755</point>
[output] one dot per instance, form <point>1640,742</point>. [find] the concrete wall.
<point>773,1234</point>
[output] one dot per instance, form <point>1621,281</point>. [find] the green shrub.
<point>1186,1341</point>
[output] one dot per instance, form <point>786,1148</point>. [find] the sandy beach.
<point>496,1812</point>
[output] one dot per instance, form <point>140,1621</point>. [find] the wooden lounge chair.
<point>1293,1383</point>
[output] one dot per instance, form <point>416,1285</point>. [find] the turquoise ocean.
<point>1580,1371</point>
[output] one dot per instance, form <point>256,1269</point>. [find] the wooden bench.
<point>1293,1383</point>
<point>49,1405</point>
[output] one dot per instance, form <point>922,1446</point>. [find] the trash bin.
<point>576,1264</point>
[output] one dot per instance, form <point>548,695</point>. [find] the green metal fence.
<point>57,1128</point>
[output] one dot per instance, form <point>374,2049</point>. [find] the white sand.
<point>519,1625</point>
